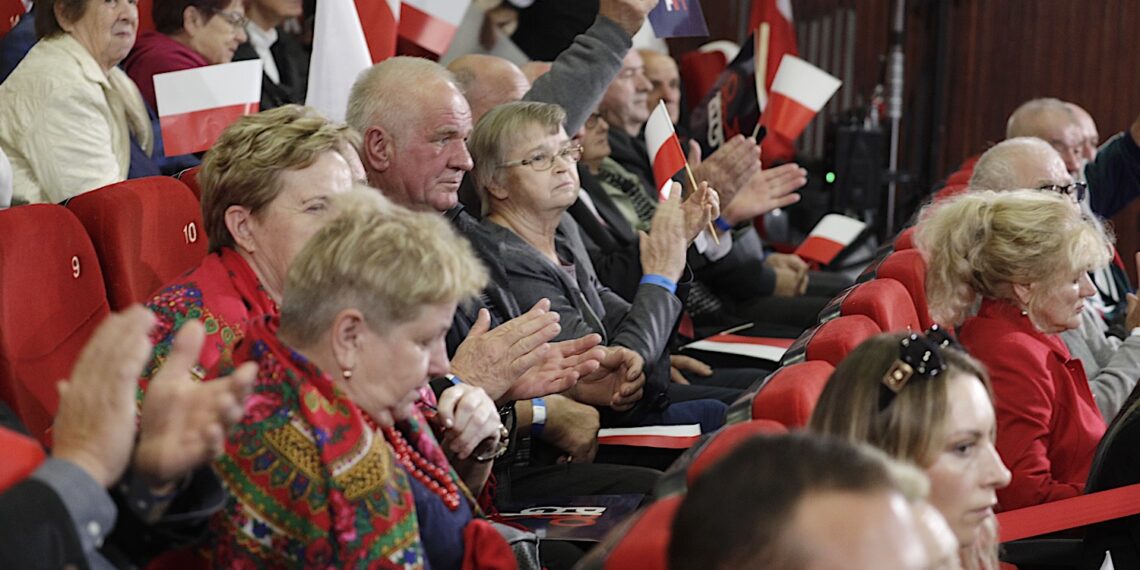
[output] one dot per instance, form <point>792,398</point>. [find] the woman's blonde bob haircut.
<point>981,243</point>
<point>244,166</point>
<point>912,428</point>
<point>384,260</point>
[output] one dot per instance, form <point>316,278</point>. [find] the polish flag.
<point>340,53</point>
<point>798,93</point>
<point>830,236</point>
<point>379,19</point>
<point>431,24</point>
<point>196,105</point>
<point>781,35</point>
<point>664,150</point>
<point>760,348</point>
<point>662,437</point>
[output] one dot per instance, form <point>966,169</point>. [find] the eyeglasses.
<point>592,120</point>
<point>542,161</point>
<point>238,21</point>
<point>918,355</point>
<point>1076,190</point>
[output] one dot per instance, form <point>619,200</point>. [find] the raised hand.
<point>618,382</point>
<point>184,421</point>
<point>565,362</point>
<point>700,209</point>
<point>729,168</point>
<point>629,14</point>
<point>495,359</point>
<point>765,191</point>
<point>663,249</point>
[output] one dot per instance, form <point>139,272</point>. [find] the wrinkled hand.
<point>565,362</point>
<point>729,169</point>
<point>700,209</point>
<point>572,428</point>
<point>789,283</point>
<point>95,425</point>
<point>663,249</point>
<point>679,364</point>
<point>618,383</point>
<point>184,421</point>
<point>765,191</point>
<point>495,359</point>
<point>629,14</point>
<point>1132,319</point>
<point>470,418</point>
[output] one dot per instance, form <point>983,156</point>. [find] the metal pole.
<point>894,108</point>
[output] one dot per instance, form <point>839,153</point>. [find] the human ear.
<point>239,222</point>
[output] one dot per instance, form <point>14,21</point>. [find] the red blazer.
<point>1048,425</point>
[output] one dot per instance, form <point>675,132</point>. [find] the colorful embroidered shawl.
<point>311,485</point>
<point>225,294</point>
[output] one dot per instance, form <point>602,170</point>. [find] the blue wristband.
<point>538,417</point>
<point>722,225</point>
<point>660,281</point>
<point>455,380</point>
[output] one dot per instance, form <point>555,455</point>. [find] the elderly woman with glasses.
<point>1025,255</point>
<point>334,464</point>
<point>921,399</point>
<point>526,173</point>
<point>188,34</point>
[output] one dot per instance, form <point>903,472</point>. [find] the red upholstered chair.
<point>884,300</point>
<point>835,338</point>
<point>907,267</point>
<point>189,177</point>
<point>905,239</point>
<point>22,455</point>
<point>645,543</point>
<point>146,232</point>
<point>791,393</point>
<point>699,72</point>
<point>725,440</point>
<point>51,300</point>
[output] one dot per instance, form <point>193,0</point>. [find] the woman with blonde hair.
<point>923,401</point>
<point>1025,256</point>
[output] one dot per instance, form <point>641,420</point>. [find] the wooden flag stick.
<point>693,183</point>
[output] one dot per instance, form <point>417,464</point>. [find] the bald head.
<point>1021,162</point>
<point>1090,136</point>
<point>1052,121</point>
<point>488,81</point>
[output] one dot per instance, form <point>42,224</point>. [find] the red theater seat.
<point>905,239</point>
<point>907,267</point>
<point>835,338</point>
<point>645,544</point>
<point>725,440</point>
<point>791,393</point>
<point>189,177</point>
<point>22,455</point>
<point>884,300</point>
<point>146,232</point>
<point>51,300</point>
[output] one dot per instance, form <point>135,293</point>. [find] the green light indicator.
<point>829,177</point>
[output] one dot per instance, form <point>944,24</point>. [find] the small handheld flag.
<point>196,105</point>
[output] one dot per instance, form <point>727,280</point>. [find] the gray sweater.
<point>1111,365</point>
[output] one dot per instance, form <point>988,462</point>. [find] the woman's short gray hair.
<point>500,130</point>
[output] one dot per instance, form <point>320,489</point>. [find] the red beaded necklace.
<point>430,475</point>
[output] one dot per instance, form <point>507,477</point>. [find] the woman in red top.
<point>1025,255</point>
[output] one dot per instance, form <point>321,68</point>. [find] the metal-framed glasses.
<point>238,21</point>
<point>1076,190</point>
<point>541,161</point>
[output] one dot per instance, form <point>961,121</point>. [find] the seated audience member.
<point>188,34</point>
<point>922,400</point>
<point>285,62</point>
<point>1090,135</point>
<point>16,44</point>
<point>361,331</point>
<point>665,83</point>
<point>60,516</point>
<point>267,186</point>
<point>1111,364</point>
<point>1025,255</point>
<point>68,115</point>
<point>525,171</point>
<point>1052,121</point>
<point>797,502</point>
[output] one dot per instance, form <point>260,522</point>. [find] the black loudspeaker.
<point>855,158</point>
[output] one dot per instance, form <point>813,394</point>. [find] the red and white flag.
<point>665,437</point>
<point>340,53</point>
<point>380,20</point>
<point>775,38</point>
<point>798,93</point>
<point>664,150</point>
<point>431,24</point>
<point>830,236</point>
<point>196,105</point>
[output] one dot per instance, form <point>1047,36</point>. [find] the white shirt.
<point>262,40</point>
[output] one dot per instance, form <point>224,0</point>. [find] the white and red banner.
<point>196,105</point>
<point>664,150</point>
<point>431,24</point>
<point>380,19</point>
<point>798,93</point>
<point>763,348</point>
<point>667,437</point>
<point>340,53</point>
<point>830,236</point>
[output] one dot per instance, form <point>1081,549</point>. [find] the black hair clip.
<point>918,355</point>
